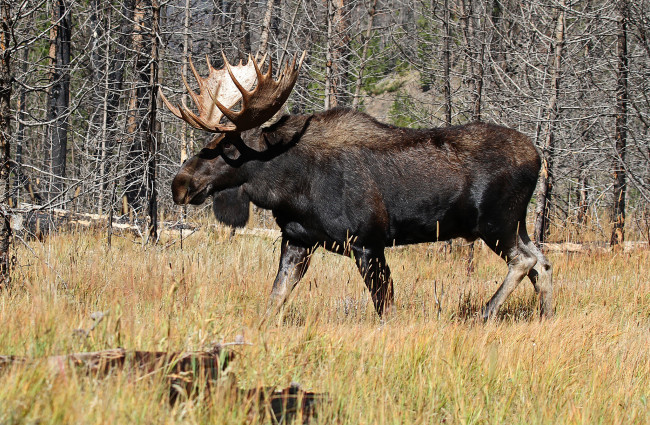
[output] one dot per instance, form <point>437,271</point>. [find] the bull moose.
<point>343,181</point>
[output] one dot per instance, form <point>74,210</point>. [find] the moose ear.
<point>287,130</point>
<point>231,207</point>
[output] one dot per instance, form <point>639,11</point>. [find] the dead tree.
<point>58,96</point>
<point>620,137</point>
<point>365,41</point>
<point>545,187</point>
<point>6,26</point>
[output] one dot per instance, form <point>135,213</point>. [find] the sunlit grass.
<point>432,361</point>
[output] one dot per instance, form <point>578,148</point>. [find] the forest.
<point>83,127</point>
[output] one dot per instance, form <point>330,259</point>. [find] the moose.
<point>345,182</point>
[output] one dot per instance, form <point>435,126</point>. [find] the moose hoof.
<point>488,313</point>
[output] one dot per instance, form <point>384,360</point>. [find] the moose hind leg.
<point>376,274</point>
<point>541,275</point>
<point>294,261</point>
<point>520,261</point>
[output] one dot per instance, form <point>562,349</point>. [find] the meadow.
<point>432,361</point>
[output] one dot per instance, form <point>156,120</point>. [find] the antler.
<point>223,88</point>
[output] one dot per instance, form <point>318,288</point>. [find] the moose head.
<point>215,170</point>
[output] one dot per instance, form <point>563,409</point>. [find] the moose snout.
<point>180,188</point>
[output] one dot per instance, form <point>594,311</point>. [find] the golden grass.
<point>589,364</point>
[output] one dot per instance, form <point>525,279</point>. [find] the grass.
<point>428,363</point>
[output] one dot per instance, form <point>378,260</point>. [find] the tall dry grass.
<point>433,361</point>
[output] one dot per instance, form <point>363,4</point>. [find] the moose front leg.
<point>294,261</point>
<point>376,274</point>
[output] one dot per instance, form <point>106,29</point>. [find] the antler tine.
<point>173,109</point>
<point>269,72</point>
<point>194,96</point>
<point>191,118</point>
<point>302,58</point>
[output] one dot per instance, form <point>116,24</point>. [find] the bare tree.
<point>58,96</point>
<point>620,137</point>
<point>266,27</point>
<point>6,77</point>
<point>186,50</point>
<point>446,25</point>
<point>337,51</point>
<point>152,125</point>
<point>545,188</point>
<point>365,42</point>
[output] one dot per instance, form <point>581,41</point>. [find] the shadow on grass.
<point>470,308</point>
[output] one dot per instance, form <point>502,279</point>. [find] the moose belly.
<point>432,221</point>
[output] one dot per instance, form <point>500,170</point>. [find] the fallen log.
<point>103,362</point>
<point>32,221</point>
<point>281,405</point>
<point>183,371</point>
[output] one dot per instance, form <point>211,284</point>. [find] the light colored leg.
<point>520,262</point>
<point>541,275</point>
<point>294,261</point>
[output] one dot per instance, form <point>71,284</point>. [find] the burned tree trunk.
<point>618,233</point>
<point>152,126</point>
<point>142,124</point>
<point>114,84</point>
<point>58,100</point>
<point>5,132</point>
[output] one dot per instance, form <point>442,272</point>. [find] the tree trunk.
<point>583,205</point>
<point>152,126</point>
<point>475,46</point>
<point>5,138</point>
<point>58,96</point>
<point>364,53</point>
<point>330,101</point>
<point>97,132</point>
<point>19,180</point>
<point>116,78</point>
<point>337,49</point>
<point>266,27</point>
<point>447,62</point>
<point>618,233</point>
<point>479,68</point>
<point>545,188</point>
<point>244,33</point>
<point>184,59</point>
<point>135,183</point>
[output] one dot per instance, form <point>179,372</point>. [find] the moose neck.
<point>269,178</point>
